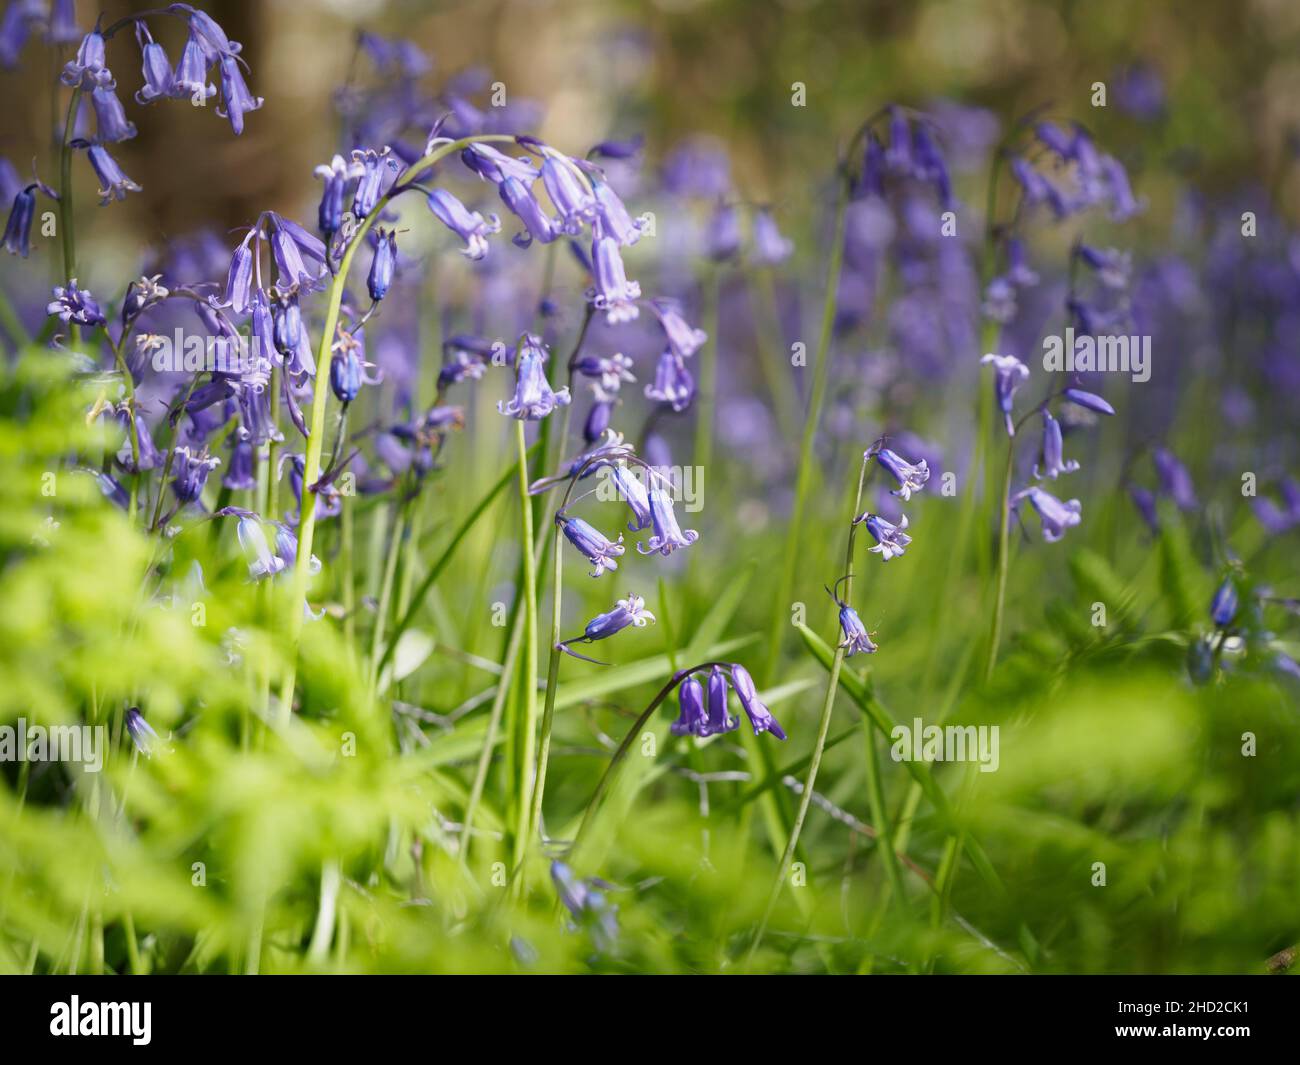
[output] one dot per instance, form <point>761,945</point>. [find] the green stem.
<point>1004,554</point>
<point>386,591</point>
<point>552,685</point>
<point>823,728</point>
<point>129,384</point>
<point>803,485</point>
<point>880,815</point>
<point>320,398</point>
<point>65,188</point>
<point>529,674</point>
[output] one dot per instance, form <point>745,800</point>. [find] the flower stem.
<point>1004,553</point>
<point>529,675</point>
<point>823,728</point>
<point>803,485</point>
<point>320,397</point>
<point>552,685</point>
<point>65,188</point>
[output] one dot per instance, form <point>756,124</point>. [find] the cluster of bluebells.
<point>892,539</point>
<point>704,709</point>
<point>1240,635</point>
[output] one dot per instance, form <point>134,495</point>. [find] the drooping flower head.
<point>629,611</point>
<point>673,383</point>
<point>1056,516</point>
<point>469,225</point>
<point>911,477</point>
<point>140,731</point>
<point>533,399</point>
<point>891,540</point>
<point>1054,464</point>
<point>598,549</point>
<point>693,719</point>
<point>760,717</point>
<point>668,536</point>
<point>1223,608</point>
<point>612,292</point>
<point>1009,373</point>
<point>718,720</point>
<point>73,304</point>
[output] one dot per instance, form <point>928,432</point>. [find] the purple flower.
<point>890,539</point>
<point>140,731</point>
<point>629,611</point>
<point>159,81</point>
<point>235,97</point>
<point>114,184</point>
<point>856,638</point>
<point>1056,516</point>
<point>693,720</point>
<point>538,225</point>
<point>667,536</point>
<point>1019,271</point>
<point>598,418</point>
<point>290,335</point>
<point>470,226</point>
<point>612,292</point>
<point>239,278</point>
<point>1175,481</point>
<point>718,720</point>
<point>614,218</point>
<point>600,551</point>
<point>18,228</point>
<point>633,492</point>
<point>1113,267</point>
<point>14,31</point>
<point>1009,374</point>
<point>378,171</point>
<point>683,338</point>
<point>88,69</point>
<point>760,717</point>
<point>299,255</point>
<point>533,398</point>
<point>610,371</point>
<point>190,81</point>
<point>347,367</point>
<point>999,301</point>
<point>150,457</point>
<point>722,238</point>
<point>1223,608</point>
<point>110,119</point>
<point>770,248</point>
<point>910,477</point>
<point>62,28</point>
<point>492,165</point>
<point>382,265</point>
<point>568,192</point>
<point>465,357</point>
<point>253,540</point>
<point>74,304</point>
<point>336,175</point>
<point>241,472</point>
<point>191,471</point>
<point>673,383</point>
<point>214,40</point>
<point>1053,462</point>
<point>1087,400</point>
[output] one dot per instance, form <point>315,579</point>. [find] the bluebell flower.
<point>114,184</point>
<point>928,164</point>
<point>469,225</point>
<point>673,383</point>
<point>74,304</point>
<point>891,539</point>
<point>770,247</point>
<point>18,227</point>
<point>348,366</point>
<point>159,82</point>
<point>683,338</point>
<point>872,180</point>
<point>88,69</point>
<point>236,99</point>
<point>569,194</point>
<point>1088,400</point>
<point>141,295</point>
<point>492,165</point>
<point>612,292</point>
<point>613,214</point>
<point>538,225</point>
<point>382,265</point>
<point>241,470</point>
<point>1056,516</point>
<point>589,907</point>
<point>632,492</point>
<point>1009,374</point>
<point>1174,479</point>
<point>856,638</point>
<point>263,561</point>
<point>911,477</point>
<point>629,611</point>
<point>15,28</point>
<point>626,149</point>
<point>760,717</point>
<point>150,457</point>
<point>722,237</point>
<point>1114,267</point>
<point>999,301</point>
<point>239,278</point>
<point>667,534</point>
<point>1019,271</point>
<point>190,81</point>
<point>1055,139</point>
<point>1200,660</point>
<point>464,357</point>
<point>598,418</point>
<point>598,549</point>
<point>610,371</point>
<point>1124,204</point>
<point>110,119</point>
<point>719,720</point>
<point>693,720</point>
<point>898,156</point>
<point>1223,608</point>
<point>1054,464</point>
<point>113,490</point>
<point>214,40</point>
<point>299,255</point>
<point>533,399</point>
<point>62,25</point>
<point>191,471</point>
<point>378,171</point>
<point>140,731</point>
<point>336,175</point>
